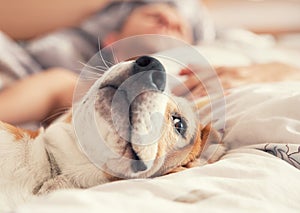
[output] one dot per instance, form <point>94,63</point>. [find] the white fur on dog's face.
<point>142,129</point>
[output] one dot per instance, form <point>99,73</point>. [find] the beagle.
<point>145,132</point>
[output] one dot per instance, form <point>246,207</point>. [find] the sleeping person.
<point>49,65</point>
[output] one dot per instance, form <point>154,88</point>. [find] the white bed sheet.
<point>245,180</point>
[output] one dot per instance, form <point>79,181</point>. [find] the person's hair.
<point>113,17</point>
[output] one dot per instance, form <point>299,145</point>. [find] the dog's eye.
<point>180,125</point>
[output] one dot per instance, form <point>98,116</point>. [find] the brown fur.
<point>19,133</point>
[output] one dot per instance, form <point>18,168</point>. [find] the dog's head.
<point>149,131</point>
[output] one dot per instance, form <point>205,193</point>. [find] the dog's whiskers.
<point>46,121</point>
<point>101,67</point>
<point>89,78</point>
<point>97,68</point>
<point>114,56</point>
<point>100,52</point>
<point>107,64</point>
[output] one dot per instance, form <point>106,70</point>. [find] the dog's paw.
<point>58,182</point>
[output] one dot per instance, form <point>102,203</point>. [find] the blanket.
<point>259,173</point>
<point>244,180</point>
<point>264,117</point>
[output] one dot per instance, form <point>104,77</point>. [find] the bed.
<point>258,173</point>
<point>244,180</point>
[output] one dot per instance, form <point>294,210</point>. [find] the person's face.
<point>156,19</point>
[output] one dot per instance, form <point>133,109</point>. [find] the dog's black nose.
<point>155,75</point>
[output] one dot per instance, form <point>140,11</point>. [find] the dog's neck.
<point>66,157</point>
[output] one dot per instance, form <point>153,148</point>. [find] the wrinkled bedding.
<point>259,173</point>
<point>265,117</point>
<point>244,180</point>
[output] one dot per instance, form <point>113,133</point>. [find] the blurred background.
<point>244,33</point>
<point>281,18</point>
<point>22,20</point>
<point>260,16</point>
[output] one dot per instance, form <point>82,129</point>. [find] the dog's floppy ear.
<point>210,135</point>
<point>213,147</point>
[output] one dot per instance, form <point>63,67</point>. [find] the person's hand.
<point>195,84</point>
<point>258,73</point>
<point>231,77</point>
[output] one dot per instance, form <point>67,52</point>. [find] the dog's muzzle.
<point>151,76</point>
<point>145,78</point>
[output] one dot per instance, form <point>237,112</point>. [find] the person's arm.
<point>35,97</point>
<point>231,77</point>
<point>30,18</point>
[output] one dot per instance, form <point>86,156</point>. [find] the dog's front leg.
<point>58,182</point>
